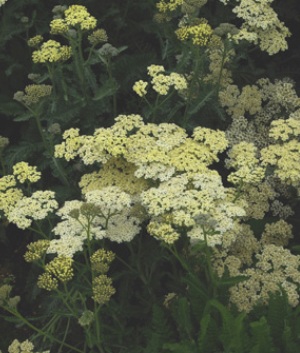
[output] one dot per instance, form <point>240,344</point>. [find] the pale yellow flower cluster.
<point>58,270</point>
<point>100,260</point>
<point>248,100</point>
<point>35,41</point>
<point>35,207</point>
<point>171,5</point>
<point>24,172</point>
<point>163,153</point>
<point>266,265</point>
<point>9,193</point>
<point>278,233</point>
<point>118,172</point>
<point>203,208</point>
<point>284,130</point>
<point>75,16</point>
<point>18,208</point>
<point>161,83</point>
<point>258,199</point>
<point>284,154</point>
<point>243,157</point>
<point>186,6</point>
<point>261,103</point>
<point>22,347</point>
<point>36,250</point>
<point>51,51</point>
<point>261,25</point>
<point>139,88</point>
<point>276,267</point>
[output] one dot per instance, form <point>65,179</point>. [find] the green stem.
<point>65,335</point>
<point>79,61</point>
<point>191,89</point>
<point>210,273</point>
<point>2,163</point>
<point>42,333</point>
<point>224,54</point>
<point>110,75</point>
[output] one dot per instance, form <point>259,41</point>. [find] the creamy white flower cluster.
<point>19,208</point>
<point>105,213</point>
<point>199,205</point>
<point>184,193</point>
<point>261,25</point>
<point>23,347</point>
<point>2,2</point>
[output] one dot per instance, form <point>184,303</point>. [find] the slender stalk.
<point>42,333</point>
<point>110,75</point>
<point>209,272</point>
<point>2,164</point>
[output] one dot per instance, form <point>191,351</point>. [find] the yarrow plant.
<point>157,208</point>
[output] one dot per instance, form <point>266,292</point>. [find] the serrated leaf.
<point>109,88</point>
<point>24,117</point>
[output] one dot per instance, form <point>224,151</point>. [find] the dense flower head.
<point>198,34</point>
<point>9,197</point>
<point>35,207</point>
<point>86,318</point>
<point>61,268</point>
<point>117,172</point>
<point>51,51</point>
<point>24,172</point>
<point>11,194</point>
<point>261,25</point>
<point>35,41</point>
<point>105,213</point>
<point>284,154</point>
<point>72,17</point>
<point>4,141</point>
<point>161,152</point>
<point>102,289</point>
<point>98,36</point>
<point>78,15</point>
<point>5,296</point>
<point>33,94</point>
<point>284,129</point>
<point>243,157</point>
<point>258,199</point>
<point>47,281</point>
<point>249,99</point>
<point>59,26</point>
<point>139,88</point>
<point>101,259</point>
<point>72,230</point>
<point>203,209</point>
<point>169,5</point>
<point>275,268</point>
<point>36,250</point>
<point>23,347</point>
<point>278,233</point>
<point>160,81</point>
